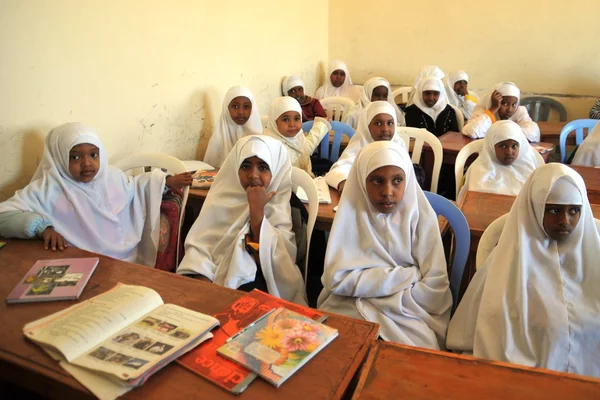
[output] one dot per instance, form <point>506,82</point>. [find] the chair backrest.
<point>402,92</point>
<point>164,161</point>
<point>462,239</point>
<point>489,240</point>
<point>340,129</point>
<point>460,117</point>
<point>539,108</point>
<point>264,119</point>
<point>337,107</point>
<point>424,136</point>
<point>578,126</point>
<point>461,158</point>
<point>303,180</point>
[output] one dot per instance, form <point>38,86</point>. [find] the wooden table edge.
<point>365,370</point>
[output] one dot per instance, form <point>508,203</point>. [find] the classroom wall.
<point>546,48</point>
<point>149,75</point>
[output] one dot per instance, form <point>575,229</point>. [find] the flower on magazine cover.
<point>308,327</point>
<point>270,336</point>
<point>287,324</point>
<point>298,340</point>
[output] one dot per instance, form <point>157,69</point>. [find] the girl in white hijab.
<point>285,125</point>
<point>373,125</point>
<point>426,71</point>
<point>501,103</point>
<point>75,198</point>
<point>338,83</point>
<point>504,163</point>
<point>293,86</point>
<point>385,260</point>
<point>535,300</point>
<point>459,95</point>
<point>431,110</point>
<point>375,89</point>
<point>588,153</point>
<point>243,236</point>
<point>239,117</point>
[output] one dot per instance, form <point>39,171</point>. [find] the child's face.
<point>385,188</point>
<point>337,77</point>
<point>382,127</point>
<point>507,151</point>
<point>380,93</point>
<point>560,220</point>
<point>460,87</point>
<point>239,109</point>
<point>254,172</point>
<point>508,107</point>
<point>289,123</point>
<point>297,93</point>
<point>84,162</point>
<point>430,97</point>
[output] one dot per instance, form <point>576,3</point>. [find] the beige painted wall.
<point>149,75</point>
<point>546,47</point>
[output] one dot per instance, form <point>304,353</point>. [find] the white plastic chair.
<point>302,179</point>
<point>264,119</point>
<point>164,161</point>
<point>337,107</point>
<point>421,136</point>
<point>460,117</point>
<point>403,92</point>
<point>461,158</point>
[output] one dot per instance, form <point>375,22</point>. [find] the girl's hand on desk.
<point>178,181</point>
<point>53,239</point>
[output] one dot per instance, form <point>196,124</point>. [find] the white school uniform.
<point>434,84</point>
<point>466,105</point>
<point>588,153</point>
<point>228,132</point>
<point>535,301</point>
<point>114,215</point>
<point>480,122</point>
<point>365,100</point>
<point>388,268</point>
<point>214,246</point>
<point>347,89</point>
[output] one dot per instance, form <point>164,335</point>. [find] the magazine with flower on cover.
<point>278,344</point>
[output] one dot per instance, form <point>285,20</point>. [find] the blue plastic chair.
<point>340,129</point>
<point>578,126</point>
<point>462,239</point>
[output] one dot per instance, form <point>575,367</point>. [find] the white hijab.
<point>392,266</point>
<point>367,93</point>
<point>346,90</point>
<point>289,83</point>
<point>505,89</point>
<point>279,106</point>
<point>112,215</point>
<point>228,131</point>
<point>486,174</point>
<point>340,170</point>
<point>588,153</point>
<point>215,244</point>
<point>535,301</point>
<point>431,83</point>
<point>453,77</point>
<point>426,71</point>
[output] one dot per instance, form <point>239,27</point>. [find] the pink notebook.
<point>51,280</point>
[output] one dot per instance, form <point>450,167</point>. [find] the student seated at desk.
<point>459,95</point>
<point>285,125</point>
<point>311,108</point>
<point>239,117</point>
<point>243,236</point>
<point>375,89</point>
<point>499,104</point>
<point>535,299</point>
<point>431,110</point>
<point>588,152</point>
<point>75,198</point>
<point>504,163</point>
<point>377,123</point>
<point>338,83</point>
<point>385,261</point>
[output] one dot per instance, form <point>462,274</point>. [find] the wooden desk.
<point>395,371</point>
<point>550,132</point>
<point>591,177</point>
<point>25,364</point>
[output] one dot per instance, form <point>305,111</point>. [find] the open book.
<point>322,191</point>
<point>125,334</point>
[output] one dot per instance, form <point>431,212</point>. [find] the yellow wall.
<point>543,46</point>
<point>149,75</point>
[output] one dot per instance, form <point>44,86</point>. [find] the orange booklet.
<point>229,375</point>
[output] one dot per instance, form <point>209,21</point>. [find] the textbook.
<point>205,361</point>
<point>203,179</point>
<point>50,280</point>
<point>115,341</point>
<point>278,344</point>
<point>322,191</point>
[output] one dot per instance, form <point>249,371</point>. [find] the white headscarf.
<point>215,244</point>
<point>535,301</point>
<point>588,153</point>
<point>487,174</point>
<point>505,89</point>
<point>426,71</point>
<point>228,131</point>
<point>340,170</point>
<point>112,215</point>
<point>367,93</point>
<point>346,90</point>
<point>289,83</point>
<point>390,266</point>
<point>279,106</point>
<point>431,83</point>
<point>453,77</point>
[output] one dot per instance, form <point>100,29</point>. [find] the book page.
<point>138,347</point>
<point>83,326</point>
